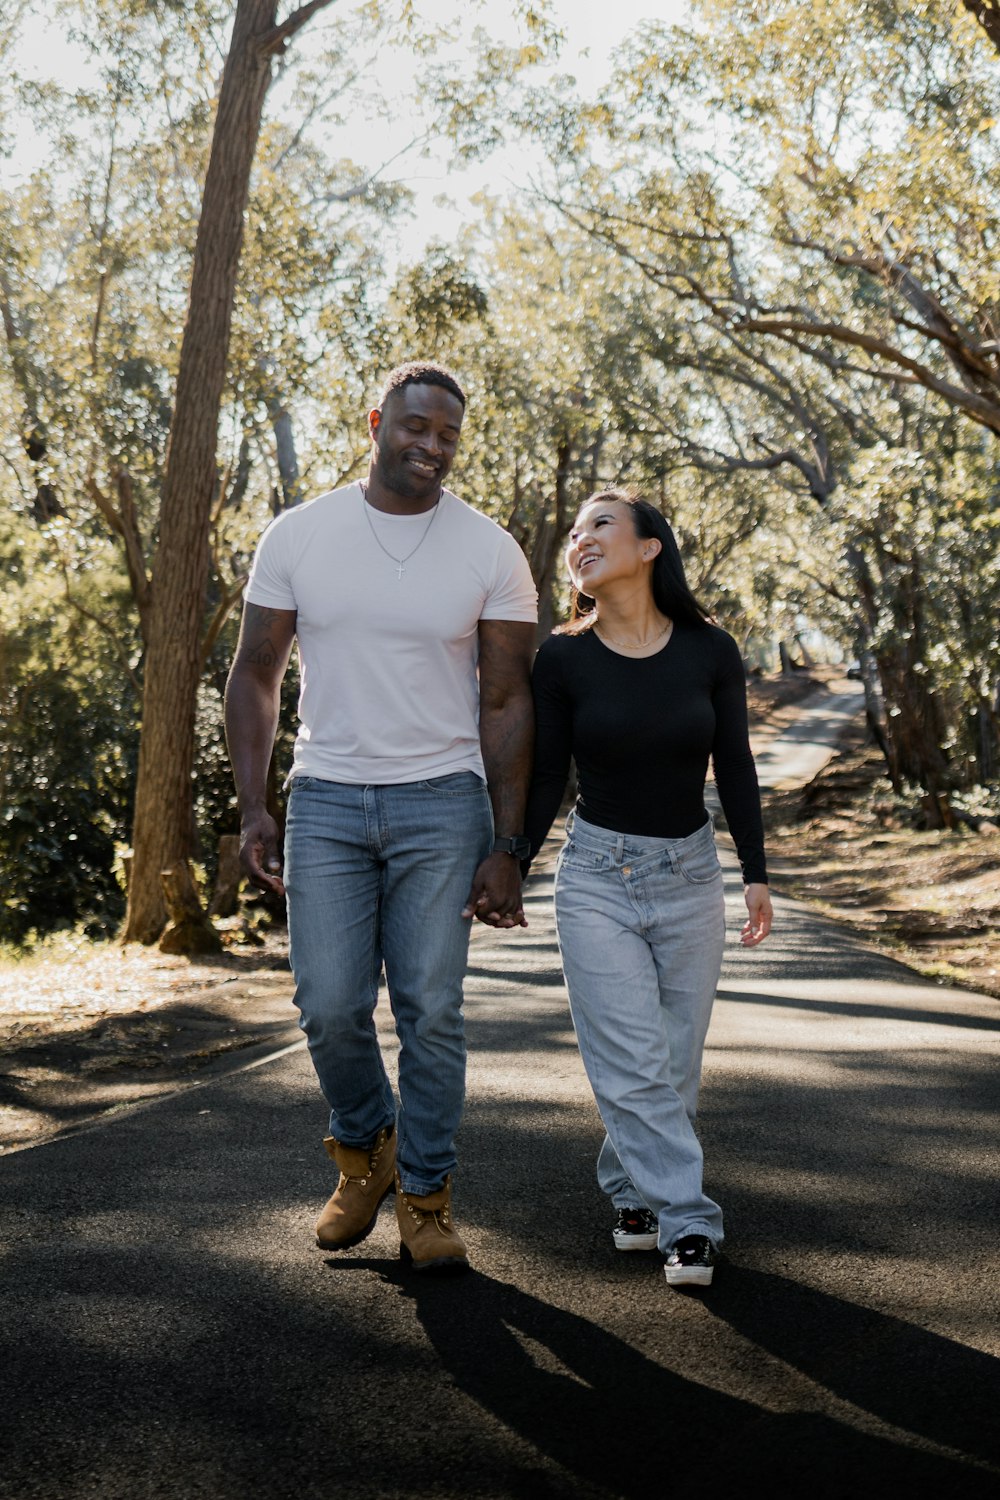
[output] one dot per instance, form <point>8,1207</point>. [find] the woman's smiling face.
<point>604,548</point>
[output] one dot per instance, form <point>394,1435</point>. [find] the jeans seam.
<point>715,875</point>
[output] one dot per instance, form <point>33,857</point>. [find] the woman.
<point>640,689</point>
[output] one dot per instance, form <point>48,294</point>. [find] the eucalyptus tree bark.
<point>163,811</point>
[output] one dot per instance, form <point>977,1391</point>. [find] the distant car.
<point>854,671</point>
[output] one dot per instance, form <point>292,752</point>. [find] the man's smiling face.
<point>415,435</point>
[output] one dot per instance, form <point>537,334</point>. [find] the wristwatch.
<point>519,846</point>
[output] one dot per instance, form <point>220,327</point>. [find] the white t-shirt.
<point>389,687</point>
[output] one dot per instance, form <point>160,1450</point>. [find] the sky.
<point>443,197</point>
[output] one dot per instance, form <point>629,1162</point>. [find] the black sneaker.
<point>691,1261</point>
<point>635,1229</point>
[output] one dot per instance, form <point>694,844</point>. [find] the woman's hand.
<point>758,899</point>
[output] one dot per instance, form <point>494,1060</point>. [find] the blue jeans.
<point>641,925</point>
<point>379,875</point>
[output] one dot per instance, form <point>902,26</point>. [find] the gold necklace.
<point>625,645</point>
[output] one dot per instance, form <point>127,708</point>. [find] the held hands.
<point>495,897</point>
<point>259,856</point>
<point>758,899</point>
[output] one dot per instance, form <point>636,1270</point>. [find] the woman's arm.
<point>735,772</point>
<point>553,745</point>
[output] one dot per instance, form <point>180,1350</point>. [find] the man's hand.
<point>758,899</point>
<point>260,858</point>
<point>495,897</point>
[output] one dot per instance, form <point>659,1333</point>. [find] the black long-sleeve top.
<point>641,732</point>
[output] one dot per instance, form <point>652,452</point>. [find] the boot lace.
<point>373,1156</point>
<point>440,1217</point>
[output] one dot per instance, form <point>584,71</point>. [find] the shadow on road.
<point>879,1364</point>
<point>867,1010</point>
<point>603,1411</point>
<point>169,1330</point>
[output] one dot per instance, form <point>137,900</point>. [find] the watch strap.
<point>517,845</point>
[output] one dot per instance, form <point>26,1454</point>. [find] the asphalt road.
<point>170,1330</point>
<point>805,747</point>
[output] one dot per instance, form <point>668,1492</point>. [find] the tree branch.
<point>102,624</point>
<point>979,407</point>
<point>279,36</point>
<point>223,610</point>
<point>124,522</point>
<point>938,322</point>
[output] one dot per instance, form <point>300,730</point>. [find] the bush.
<point>67,769</point>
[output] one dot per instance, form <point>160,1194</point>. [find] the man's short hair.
<point>421,372</point>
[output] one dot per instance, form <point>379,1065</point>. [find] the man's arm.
<point>252,701</point>
<point>506,734</point>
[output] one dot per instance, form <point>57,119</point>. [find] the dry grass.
<point>71,983</point>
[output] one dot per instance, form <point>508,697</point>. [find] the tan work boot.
<point>428,1238</point>
<point>366,1175</point>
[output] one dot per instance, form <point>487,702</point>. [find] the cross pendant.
<point>400,571</point>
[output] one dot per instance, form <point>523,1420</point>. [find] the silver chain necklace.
<point>399,561</point>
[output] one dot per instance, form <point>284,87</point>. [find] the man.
<point>396,591</point>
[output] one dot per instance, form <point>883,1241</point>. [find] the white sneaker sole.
<point>635,1241</point>
<point>688,1275</point>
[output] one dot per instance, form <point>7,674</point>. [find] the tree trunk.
<point>161,834</point>
<point>988,739</point>
<point>226,896</point>
<point>874,706</point>
<point>190,931</point>
<point>547,548</point>
<point>807,657</point>
<point>914,742</point>
<point>284,452</point>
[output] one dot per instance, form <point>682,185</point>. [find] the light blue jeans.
<point>641,925</point>
<point>379,875</point>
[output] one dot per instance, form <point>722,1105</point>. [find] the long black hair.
<point>671,593</point>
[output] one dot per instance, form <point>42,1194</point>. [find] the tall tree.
<point>96,252</point>
<point>163,815</point>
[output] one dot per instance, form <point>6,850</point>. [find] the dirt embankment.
<point>845,845</point>
<point>87,1028</point>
